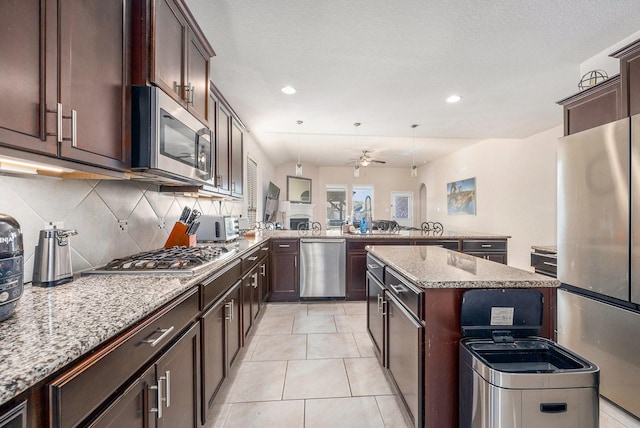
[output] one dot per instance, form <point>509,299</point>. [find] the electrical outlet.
<point>161,223</point>
<point>54,225</point>
<point>123,225</point>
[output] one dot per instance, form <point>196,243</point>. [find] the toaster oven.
<point>215,228</point>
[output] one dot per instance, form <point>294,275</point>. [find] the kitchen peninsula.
<point>413,317</point>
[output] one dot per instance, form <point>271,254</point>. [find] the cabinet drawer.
<point>220,282</point>
<point>408,294</point>
<point>80,390</point>
<point>285,245</point>
<point>375,267</point>
<point>360,244</point>
<point>484,245</point>
<point>545,263</point>
<point>250,259</point>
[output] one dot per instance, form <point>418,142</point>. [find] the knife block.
<point>179,238</point>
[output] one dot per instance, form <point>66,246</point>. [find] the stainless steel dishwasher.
<point>322,268</point>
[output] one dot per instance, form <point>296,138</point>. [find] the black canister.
<point>11,265</point>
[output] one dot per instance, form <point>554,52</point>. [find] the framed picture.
<point>298,189</point>
<point>461,197</point>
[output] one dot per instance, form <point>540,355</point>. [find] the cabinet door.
<point>234,327</point>
<point>94,81</point>
<point>223,150</point>
<point>169,32</point>
<point>131,409</point>
<point>178,377</point>
<point>404,350</point>
<point>356,271</point>
<point>213,326</point>
<point>249,299</point>
<point>263,284</point>
<point>197,79</point>
<point>284,276</point>
<point>375,315</point>
<point>237,160</point>
<point>28,48</point>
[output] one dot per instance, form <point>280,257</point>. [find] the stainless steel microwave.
<point>167,142</point>
<point>218,228</point>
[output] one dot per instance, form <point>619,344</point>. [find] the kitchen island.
<point>413,317</point>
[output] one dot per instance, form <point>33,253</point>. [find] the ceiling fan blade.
<point>377,161</point>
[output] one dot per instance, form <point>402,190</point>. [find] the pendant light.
<point>299,164</point>
<point>414,168</point>
<point>356,167</point>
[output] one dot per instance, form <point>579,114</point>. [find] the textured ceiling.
<point>389,64</point>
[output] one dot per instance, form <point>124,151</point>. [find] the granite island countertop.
<point>435,267</point>
<point>403,234</point>
<point>54,326</point>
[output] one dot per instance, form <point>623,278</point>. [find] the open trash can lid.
<point>512,312</point>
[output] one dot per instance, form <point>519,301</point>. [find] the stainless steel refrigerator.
<point>598,314</point>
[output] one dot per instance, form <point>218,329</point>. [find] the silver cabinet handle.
<point>263,270</point>
<point>159,399</point>
<point>232,308</point>
<point>264,249</point>
<point>58,112</point>
<point>550,264</point>
<point>379,302</point>
<point>384,306</point>
<point>229,308</point>
<point>253,259</point>
<point>397,288</point>
<point>164,333</point>
<point>372,266</point>
<point>74,128</point>
<point>284,245</point>
<point>295,261</point>
<point>487,245</point>
<point>167,388</point>
<point>255,280</point>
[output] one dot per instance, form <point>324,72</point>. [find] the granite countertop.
<point>545,249</point>
<point>403,234</point>
<point>54,326</point>
<point>435,267</point>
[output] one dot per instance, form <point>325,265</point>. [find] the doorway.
<point>402,208</point>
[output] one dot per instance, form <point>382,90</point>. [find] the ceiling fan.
<point>365,159</point>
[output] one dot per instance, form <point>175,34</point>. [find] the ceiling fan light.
<point>364,162</point>
<point>414,171</point>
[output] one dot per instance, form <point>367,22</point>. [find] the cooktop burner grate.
<point>187,260</point>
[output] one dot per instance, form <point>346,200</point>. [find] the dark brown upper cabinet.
<point>67,62</point>
<point>629,57</point>
<point>171,52</point>
<point>237,159</point>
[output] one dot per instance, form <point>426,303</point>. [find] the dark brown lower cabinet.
<point>250,299</point>
<point>285,270</point>
<point>221,339</point>
<point>375,315</point>
<point>166,394</point>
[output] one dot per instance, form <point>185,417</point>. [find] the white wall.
<point>266,173</point>
<point>515,188</point>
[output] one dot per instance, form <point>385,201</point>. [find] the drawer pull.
<point>264,249</point>
<point>229,308</point>
<point>384,305</point>
<point>263,270</point>
<point>486,245</point>
<point>167,388</point>
<point>255,280</point>
<point>372,266</point>
<point>252,259</point>
<point>550,264</point>
<point>379,302</point>
<point>399,289</point>
<point>284,245</point>
<point>164,333</point>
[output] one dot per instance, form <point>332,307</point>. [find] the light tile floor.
<point>310,365</point>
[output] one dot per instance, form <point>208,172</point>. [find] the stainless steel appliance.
<point>322,268</point>
<point>175,260</point>
<point>599,252</point>
<point>52,260</point>
<point>168,142</point>
<point>11,265</point>
<point>214,228</point>
<point>509,378</point>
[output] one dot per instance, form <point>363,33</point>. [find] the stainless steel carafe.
<point>52,265</point>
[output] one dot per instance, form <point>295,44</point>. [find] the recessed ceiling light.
<point>289,90</point>
<point>454,98</point>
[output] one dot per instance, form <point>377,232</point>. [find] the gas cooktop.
<point>174,260</point>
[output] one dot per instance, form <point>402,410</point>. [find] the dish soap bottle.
<point>364,227</point>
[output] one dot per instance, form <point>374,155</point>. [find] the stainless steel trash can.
<point>509,378</point>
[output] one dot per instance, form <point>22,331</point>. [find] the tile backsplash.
<point>94,209</point>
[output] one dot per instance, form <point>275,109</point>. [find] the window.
<point>362,202</point>
<point>252,197</point>
<point>336,205</point>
